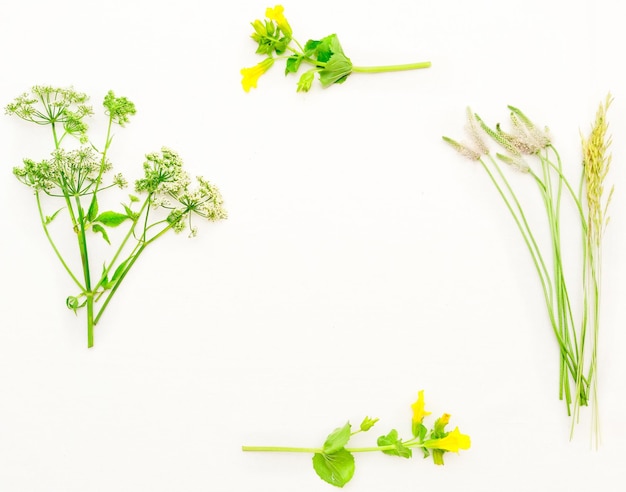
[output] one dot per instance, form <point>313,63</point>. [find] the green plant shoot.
<point>529,151</point>
<point>76,176</point>
<point>334,461</point>
<point>325,56</point>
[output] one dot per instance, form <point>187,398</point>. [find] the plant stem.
<point>392,68</point>
<point>84,255</point>
<point>281,449</point>
<point>133,258</point>
<point>50,240</point>
<point>287,449</point>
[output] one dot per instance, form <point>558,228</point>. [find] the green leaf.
<point>392,439</point>
<point>101,230</point>
<point>130,212</point>
<point>104,280</point>
<point>323,49</point>
<point>119,270</point>
<point>50,218</point>
<point>93,209</point>
<point>293,64</point>
<point>111,219</point>
<point>337,468</point>
<point>310,47</point>
<point>336,71</point>
<point>337,439</point>
<point>72,303</point>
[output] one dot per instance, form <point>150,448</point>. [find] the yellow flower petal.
<point>418,408</point>
<point>453,442</point>
<point>276,14</point>
<point>251,75</point>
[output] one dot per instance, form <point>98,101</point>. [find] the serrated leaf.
<point>50,218</point>
<point>310,48</point>
<point>392,439</point>
<point>311,45</point>
<point>337,439</point>
<point>293,64</point>
<point>323,52</point>
<point>93,209</point>
<point>337,468</point>
<point>111,219</point>
<point>101,230</point>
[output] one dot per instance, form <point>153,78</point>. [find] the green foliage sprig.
<point>528,149</point>
<point>334,460</point>
<point>77,177</point>
<point>275,40</point>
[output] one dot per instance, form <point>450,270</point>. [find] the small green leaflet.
<point>72,303</point>
<point>111,219</point>
<point>392,439</point>
<point>101,230</point>
<point>337,439</point>
<point>93,210</point>
<point>337,468</point>
<point>50,218</point>
<point>293,64</point>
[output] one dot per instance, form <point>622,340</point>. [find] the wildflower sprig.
<point>77,177</point>
<point>326,58</point>
<point>334,461</point>
<point>528,149</point>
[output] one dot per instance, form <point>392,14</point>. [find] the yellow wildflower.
<point>276,14</point>
<point>418,408</point>
<point>418,414</point>
<point>251,75</point>
<point>444,419</point>
<point>453,442</point>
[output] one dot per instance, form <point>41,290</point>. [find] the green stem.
<point>133,258</point>
<point>288,449</point>
<point>54,247</point>
<point>281,449</point>
<point>392,68</point>
<point>123,243</point>
<point>535,255</point>
<point>84,255</point>
<point>107,144</point>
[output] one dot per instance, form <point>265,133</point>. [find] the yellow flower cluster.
<point>276,14</point>
<point>449,441</point>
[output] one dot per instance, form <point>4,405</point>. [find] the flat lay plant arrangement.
<point>334,461</point>
<point>528,151</point>
<point>324,57</point>
<point>69,185</point>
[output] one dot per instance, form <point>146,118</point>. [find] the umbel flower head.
<point>74,171</point>
<point>169,187</point>
<point>46,105</point>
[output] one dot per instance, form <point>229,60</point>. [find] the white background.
<point>363,259</point>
